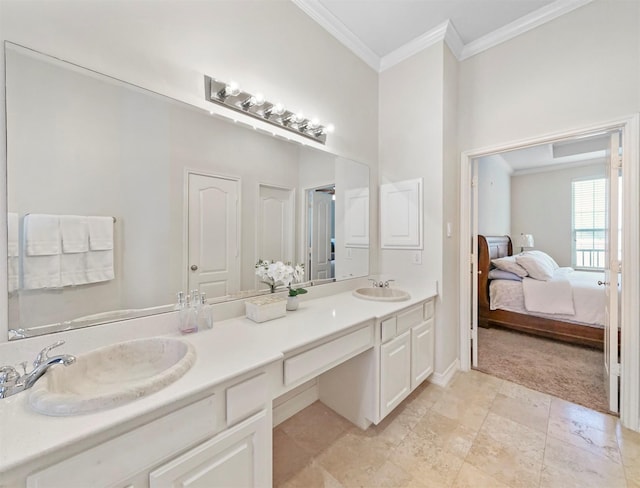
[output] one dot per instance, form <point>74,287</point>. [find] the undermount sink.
<point>111,376</point>
<point>381,294</point>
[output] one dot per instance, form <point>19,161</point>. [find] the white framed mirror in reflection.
<point>118,198</point>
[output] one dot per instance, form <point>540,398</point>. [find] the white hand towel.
<point>13,273</point>
<point>42,235</point>
<point>73,268</point>
<point>75,234</point>
<point>13,245</point>
<point>41,272</point>
<point>100,233</point>
<point>100,266</point>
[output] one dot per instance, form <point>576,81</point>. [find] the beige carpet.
<point>573,373</point>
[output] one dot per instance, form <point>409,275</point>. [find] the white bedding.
<point>587,296</point>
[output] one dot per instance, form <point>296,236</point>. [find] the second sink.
<point>382,294</point>
<point>112,375</point>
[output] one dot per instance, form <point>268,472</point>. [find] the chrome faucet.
<point>380,284</point>
<point>12,382</point>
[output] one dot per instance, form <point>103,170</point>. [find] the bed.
<point>582,327</point>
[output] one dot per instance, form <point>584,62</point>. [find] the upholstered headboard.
<point>489,247</point>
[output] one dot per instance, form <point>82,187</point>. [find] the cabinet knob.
<point>194,267</point>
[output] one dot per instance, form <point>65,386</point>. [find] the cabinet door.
<point>421,352</point>
<point>395,371</point>
<point>238,457</point>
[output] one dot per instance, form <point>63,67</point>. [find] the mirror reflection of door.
<point>322,238</point>
<point>214,253</point>
<point>276,225</point>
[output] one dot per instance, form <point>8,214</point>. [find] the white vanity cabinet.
<point>406,354</point>
<point>223,440</point>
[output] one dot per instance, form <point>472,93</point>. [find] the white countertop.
<point>232,348</point>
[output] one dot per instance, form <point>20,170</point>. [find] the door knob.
<point>194,267</point>
<point>603,282</point>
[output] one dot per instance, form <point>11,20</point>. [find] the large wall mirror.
<point>118,198</point>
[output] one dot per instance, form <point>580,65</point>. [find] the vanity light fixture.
<point>231,96</point>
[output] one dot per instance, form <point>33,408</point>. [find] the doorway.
<point>469,245</point>
<point>213,234</point>
<point>321,238</point>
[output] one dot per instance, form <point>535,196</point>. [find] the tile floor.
<point>480,431</point>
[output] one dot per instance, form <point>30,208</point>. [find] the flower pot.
<point>292,303</point>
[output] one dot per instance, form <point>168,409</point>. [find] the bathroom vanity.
<point>212,426</point>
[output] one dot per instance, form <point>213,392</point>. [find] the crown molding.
<point>520,26</point>
<point>445,31</point>
<point>415,46</point>
<point>315,10</point>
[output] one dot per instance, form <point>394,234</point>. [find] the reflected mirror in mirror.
<point>118,198</point>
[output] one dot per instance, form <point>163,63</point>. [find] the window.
<point>589,214</point>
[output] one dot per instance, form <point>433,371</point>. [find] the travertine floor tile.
<point>312,476</point>
<point>315,428</point>
<point>532,415</point>
<point>508,451</point>
<point>599,442</point>
<point>471,477</point>
<point>519,392</point>
<point>391,476</point>
<point>465,410</point>
<point>426,461</point>
<point>567,466</point>
<point>288,458</point>
<point>446,433</point>
<point>506,464</point>
<point>354,459</point>
<point>478,432</point>
<point>582,416</point>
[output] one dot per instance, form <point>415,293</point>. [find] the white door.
<point>276,224</point>
<point>474,263</point>
<point>321,236</point>
<point>611,363</point>
<point>214,247</point>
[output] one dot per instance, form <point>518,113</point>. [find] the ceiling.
<point>578,151</point>
<point>383,32</point>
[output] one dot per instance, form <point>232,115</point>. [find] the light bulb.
<point>259,99</point>
<point>330,128</point>
<point>232,89</point>
<point>278,108</point>
<point>314,123</point>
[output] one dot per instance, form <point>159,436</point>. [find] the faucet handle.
<point>386,283</point>
<point>44,354</point>
<point>8,374</point>
<point>374,283</point>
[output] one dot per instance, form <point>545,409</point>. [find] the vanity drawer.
<point>246,398</point>
<point>122,458</point>
<point>408,319</point>
<point>388,329</point>
<point>319,359</point>
<point>429,309</point>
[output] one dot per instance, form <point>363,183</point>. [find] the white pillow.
<point>500,274</point>
<point>543,255</point>
<point>508,263</point>
<point>538,267</point>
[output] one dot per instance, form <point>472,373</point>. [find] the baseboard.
<point>443,379</point>
<point>294,401</point>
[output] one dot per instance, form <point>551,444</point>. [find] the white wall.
<point>494,196</point>
<point>168,46</point>
<point>541,206</point>
<point>417,132</point>
<point>578,69</point>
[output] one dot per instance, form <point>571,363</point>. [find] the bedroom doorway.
<point>561,145</point>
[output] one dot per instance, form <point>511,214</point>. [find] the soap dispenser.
<point>185,321</point>
<point>205,313</point>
